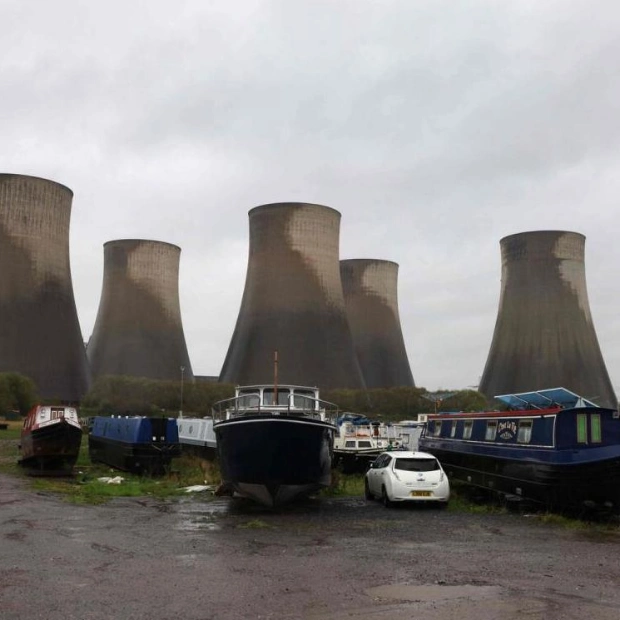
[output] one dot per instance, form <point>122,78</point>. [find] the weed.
<point>344,485</point>
<point>254,524</point>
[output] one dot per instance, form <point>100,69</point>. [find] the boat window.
<point>453,430</point>
<point>436,429</point>
<point>248,399</point>
<point>467,428</point>
<point>364,444</point>
<point>269,400</point>
<point>525,431</point>
<point>595,428</point>
<point>582,428</point>
<point>491,431</point>
<point>304,399</point>
<point>416,464</point>
<point>349,444</point>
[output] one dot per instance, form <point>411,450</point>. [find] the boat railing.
<point>296,405</point>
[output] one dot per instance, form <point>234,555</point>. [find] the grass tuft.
<point>254,524</point>
<point>344,485</point>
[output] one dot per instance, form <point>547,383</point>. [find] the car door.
<point>377,473</point>
<point>384,473</point>
<point>372,474</point>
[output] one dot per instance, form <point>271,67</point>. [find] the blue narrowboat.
<point>551,447</point>
<point>136,444</point>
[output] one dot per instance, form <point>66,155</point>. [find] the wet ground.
<point>201,558</point>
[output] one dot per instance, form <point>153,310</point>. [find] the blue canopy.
<point>355,418</point>
<point>543,399</point>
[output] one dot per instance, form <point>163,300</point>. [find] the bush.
<point>17,393</point>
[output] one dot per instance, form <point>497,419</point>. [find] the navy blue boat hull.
<point>555,480</point>
<point>275,459</point>
<point>135,444</point>
<point>151,459</point>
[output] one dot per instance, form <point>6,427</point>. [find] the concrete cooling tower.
<point>138,331</point>
<point>544,336</point>
<point>293,302</point>
<point>370,295</point>
<point>40,334</point>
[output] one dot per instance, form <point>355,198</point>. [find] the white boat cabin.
<point>197,432</point>
<point>274,400</point>
<point>46,415</point>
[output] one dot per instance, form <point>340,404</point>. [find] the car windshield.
<point>416,464</point>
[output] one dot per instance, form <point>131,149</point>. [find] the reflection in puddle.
<point>194,517</point>
<point>433,592</point>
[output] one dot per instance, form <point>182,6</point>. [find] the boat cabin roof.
<point>545,399</point>
<point>542,402</point>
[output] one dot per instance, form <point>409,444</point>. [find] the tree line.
<point>123,395</point>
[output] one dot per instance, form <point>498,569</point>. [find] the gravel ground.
<point>200,558</point>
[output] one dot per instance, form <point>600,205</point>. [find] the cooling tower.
<point>293,302</point>
<point>40,334</point>
<point>544,336</point>
<point>138,331</point>
<point>371,299</point>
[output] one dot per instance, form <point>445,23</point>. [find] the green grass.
<point>13,431</point>
<point>344,485</point>
<point>254,524</point>
<point>86,488</point>
<point>461,501</point>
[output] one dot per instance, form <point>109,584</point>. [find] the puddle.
<point>197,525</point>
<point>195,517</point>
<point>188,560</point>
<point>433,592</point>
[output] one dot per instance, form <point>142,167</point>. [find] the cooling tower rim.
<point>35,178</point>
<point>128,241</point>
<point>292,204</point>
<point>533,233</point>
<point>369,260</point>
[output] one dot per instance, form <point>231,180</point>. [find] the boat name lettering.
<point>506,430</point>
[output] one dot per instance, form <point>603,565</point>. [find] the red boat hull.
<point>53,448</point>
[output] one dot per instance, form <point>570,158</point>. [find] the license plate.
<point>421,493</point>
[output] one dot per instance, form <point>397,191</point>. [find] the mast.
<point>275,377</point>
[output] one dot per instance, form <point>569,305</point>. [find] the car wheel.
<point>367,494</point>
<point>385,500</point>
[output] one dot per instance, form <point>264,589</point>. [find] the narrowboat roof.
<point>545,399</point>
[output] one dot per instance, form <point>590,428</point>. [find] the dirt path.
<point>199,559</point>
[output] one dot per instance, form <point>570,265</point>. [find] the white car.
<point>400,476</point>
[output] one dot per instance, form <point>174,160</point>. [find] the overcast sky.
<point>434,127</point>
